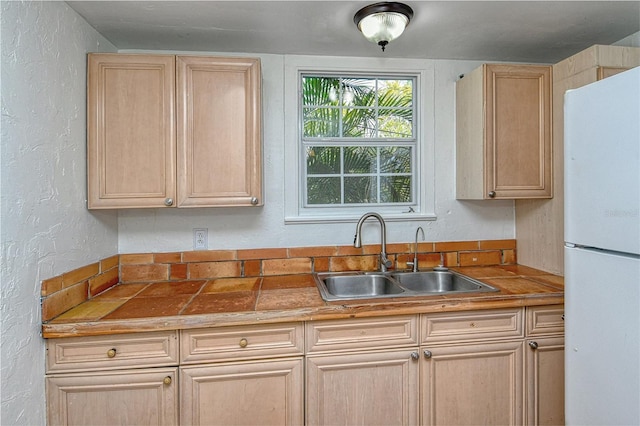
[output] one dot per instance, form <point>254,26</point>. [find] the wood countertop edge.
<point>359,309</point>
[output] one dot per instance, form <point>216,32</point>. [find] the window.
<point>358,140</point>
<point>359,144</point>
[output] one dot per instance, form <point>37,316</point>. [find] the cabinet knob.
<point>243,343</point>
<point>427,354</point>
<point>254,200</point>
<point>415,356</point>
<point>168,202</point>
<point>111,353</point>
<point>167,380</point>
<point>492,194</point>
<point>533,344</point>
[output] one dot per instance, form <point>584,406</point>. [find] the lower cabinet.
<point>242,375</point>
<point>545,379</point>
<point>501,366</point>
<point>363,371</point>
<point>363,388</point>
<point>473,384</point>
<point>127,379</point>
<point>544,359</point>
<point>240,393</point>
<point>123,397</point>
<point>473,367</point>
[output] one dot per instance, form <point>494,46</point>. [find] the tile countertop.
<point>138,307</point>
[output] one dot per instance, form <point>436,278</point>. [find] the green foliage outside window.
<point>359,140</point>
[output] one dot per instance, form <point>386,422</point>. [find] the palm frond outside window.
<point>358,135</point>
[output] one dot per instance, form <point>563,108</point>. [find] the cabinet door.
<point>131,132</point>
<point>125,397</point>
<point>545,381</point>
<point>244,393</point>
<point>503,133</point>
<point>372,388</point>
<point>473,384</point>
<point>518,131</point>
<point>219,131</point>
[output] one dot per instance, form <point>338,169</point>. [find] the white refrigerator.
<point>602,252</point>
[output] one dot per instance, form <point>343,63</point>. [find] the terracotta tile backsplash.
<point>102,282</point>
<point>301,265</point>
<point>475,258</point>
<point>162,275</point>
<point>214,270</point>
<point>144,272</point>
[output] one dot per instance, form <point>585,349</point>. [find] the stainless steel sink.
<point>366,285</point>
<point>439,282</point>
<point>357,286</point>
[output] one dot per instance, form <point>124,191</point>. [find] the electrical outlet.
<point>200,238</point>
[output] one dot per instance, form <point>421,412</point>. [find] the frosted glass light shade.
<point>386,26</point>
<point>383,22</point>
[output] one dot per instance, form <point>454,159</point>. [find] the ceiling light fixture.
<point>383,22</point>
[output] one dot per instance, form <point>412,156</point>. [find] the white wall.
<point>45,227</point>
<point>158,230</point>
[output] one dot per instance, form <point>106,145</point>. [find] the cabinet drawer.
<point>337,335</point>
<point>542,320</point>
<point>241,342</point>
<point>112,352</point>
<point>471,326</point>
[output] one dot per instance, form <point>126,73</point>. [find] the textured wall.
<point>45,227</point>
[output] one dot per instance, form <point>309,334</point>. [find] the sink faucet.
<point>357,241</point>
<point>415,250</point>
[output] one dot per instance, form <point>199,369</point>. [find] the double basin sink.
<point>367,285</point>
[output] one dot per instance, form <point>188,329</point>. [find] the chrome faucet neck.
<point>415,248</point>
<point>357,241</point>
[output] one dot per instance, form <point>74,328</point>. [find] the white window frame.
<point>295,66</point>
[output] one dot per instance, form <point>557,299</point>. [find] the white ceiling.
<point>519,31</point>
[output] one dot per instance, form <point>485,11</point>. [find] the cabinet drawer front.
<point>351,334</point>
<point>472,326</point>
<point>542,320</point>
<point>112,352</point>
<point>242,342</point>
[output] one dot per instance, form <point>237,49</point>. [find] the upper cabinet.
<point>219,131</point>
<point>173,131</point>
<point>503,131</point>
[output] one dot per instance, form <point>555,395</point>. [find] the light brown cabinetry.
<point>503,133</point>
<point>108,380</point>
<point>472,368</point>
<point>173,131</point>
<point>540,223</point>
<point>362,372</point>
<point>242,375</point>
<point>545,365</point>
<point>364,388</point>
<point>500,366</point>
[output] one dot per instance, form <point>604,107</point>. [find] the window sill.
<point>401,217</point>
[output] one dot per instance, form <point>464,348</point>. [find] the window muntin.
<point>358,138</point>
